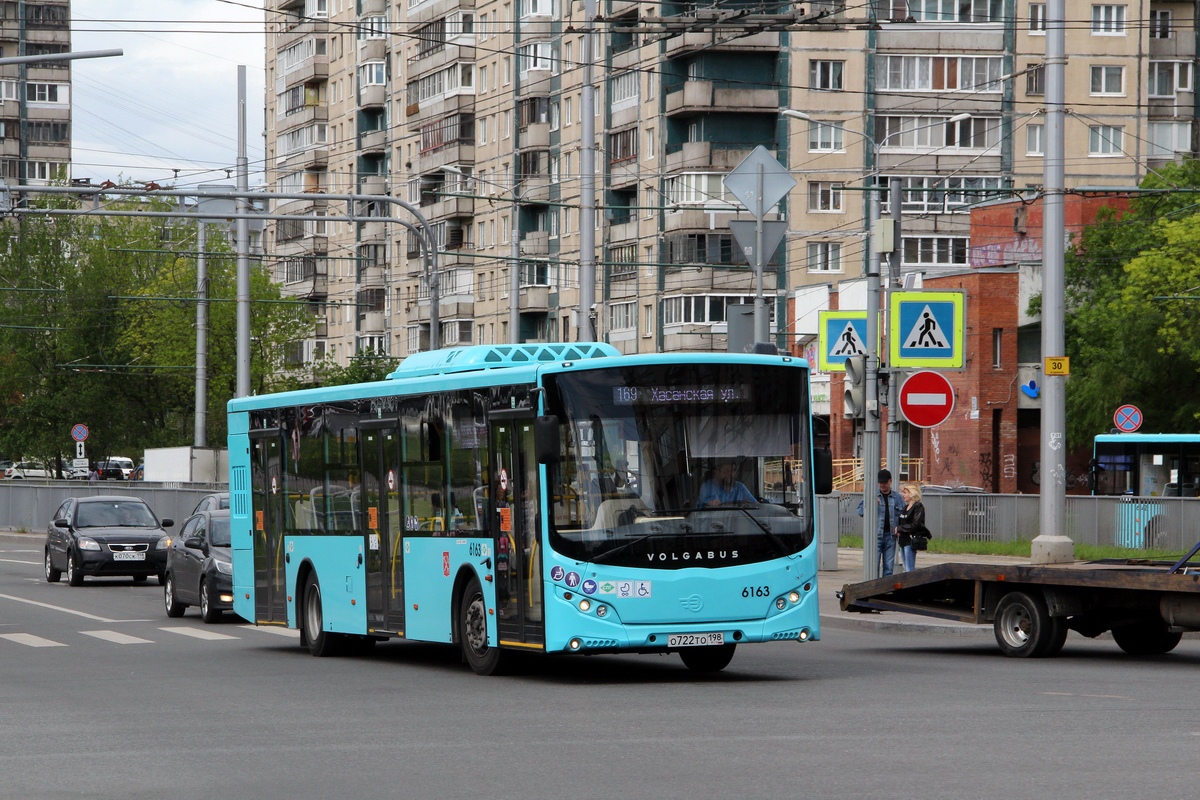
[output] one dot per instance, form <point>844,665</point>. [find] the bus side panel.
<point>430,567</point>
<point>241,530</point>
<point>338,562</point>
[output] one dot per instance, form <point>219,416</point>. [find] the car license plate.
<point>694,639</point>
<point>129,556</point>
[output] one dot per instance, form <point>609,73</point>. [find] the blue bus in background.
<point>535,498</point>
<point>1147,464</point>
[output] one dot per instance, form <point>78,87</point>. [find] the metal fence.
<point>1169,523</point>
<point>29,504</point>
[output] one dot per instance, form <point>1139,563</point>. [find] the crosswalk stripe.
<point>199,633</point>
<point>29,640</point>
<point>271,629</point>
<point>116,638</point>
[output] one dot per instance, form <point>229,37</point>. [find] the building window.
<point>622,146</point>
<point>1035,80</point>
<point>534,56</point>
<point>1160,24</point>
<point>997,349</point>
<point>1037,19</point>
<point>924,133</point>
<point>1169,138</point>
<point>47,93</point>
<point>705,308</point>
<point>1108,80</point>
<point>825,76</point>
<point>372,73</point>
<point>940,73</point>
<point>824,196</point>
<point>1034,135</point>
<point>955,10</point>
<point>935,251</point>
<point>825,137</point>
<point>1108,20</point>
<point>934,194</point>
<point>623,89</point>
<point>1105,140</point>
<point>697,188</point>
<point>622,317</point>
<point>1168,77</point>
<point>824,257</point>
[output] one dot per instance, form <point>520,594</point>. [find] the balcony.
<point>372,322</point>
<point>444,206</point>
<point>697,219</point>
<point>372,96</point>
<point>459,152</point>
<point>303,116</point>
<point>300,30</point>
<point>535,189</point>
<point>696,97</point>
<point>368,7</point>
<point>374,49</point>
<point>312,158</point>
<point>372,233</point>
<point>695,41</point>
<point>535,243</point>
<point>534,299</point>
<point>536,135</point>
<point>534,83</point>
<point>372,142</point>
<point>714,156</point>
<point>372,277</point>
<point>307,71</point>
<point>624,173</point>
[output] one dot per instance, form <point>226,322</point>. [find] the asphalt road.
<point>101,695</point>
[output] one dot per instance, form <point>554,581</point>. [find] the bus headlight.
<point>601,611</point>
<point>781,603</point>
<point>794,597</point>
<point>585,604</point>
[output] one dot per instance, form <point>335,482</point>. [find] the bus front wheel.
<point>473,633</point>
<point>321,642</point>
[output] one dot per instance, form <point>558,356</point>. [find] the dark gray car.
<point>105,536</point>
<point>200,567</point>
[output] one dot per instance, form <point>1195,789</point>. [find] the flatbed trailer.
<point>1147,605</point>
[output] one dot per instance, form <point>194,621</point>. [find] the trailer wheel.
<point>1151,637</point>
<point>1023,625</point>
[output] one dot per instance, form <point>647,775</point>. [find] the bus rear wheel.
<point>473,634</point>
<point>321,643</point>
<point>708,659</point>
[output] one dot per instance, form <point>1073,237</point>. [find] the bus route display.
<point>671,395</point>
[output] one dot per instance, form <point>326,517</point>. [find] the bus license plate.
<point>129,556</point>
<point>694,639</point>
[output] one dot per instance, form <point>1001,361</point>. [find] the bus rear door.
<point>269,521</point>
<point>385,568</point>
<point>517,526</point>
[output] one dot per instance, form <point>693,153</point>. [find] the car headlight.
<point>224,567</point>
<point>163,543</point>
<point>88,544</point>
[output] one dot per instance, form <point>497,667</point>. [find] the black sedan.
<point>105,536</point>
<point>200,567</point>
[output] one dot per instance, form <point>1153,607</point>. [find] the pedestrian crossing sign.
<point>840,334</point>
<point>925,329</point>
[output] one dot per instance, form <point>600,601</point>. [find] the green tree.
<point>1128,344</point>
<point>366,367</point>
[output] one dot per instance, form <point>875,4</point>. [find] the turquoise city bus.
<point>1147,464</point>
<point>540,498</point>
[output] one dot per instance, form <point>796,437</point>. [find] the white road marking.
<point>116,638</point>
<point>15,561</point>
<point>272,629</point>
<point>57,608</point>
<point>199,633</point>
<point>29,640</point>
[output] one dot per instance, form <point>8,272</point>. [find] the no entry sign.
<point>926,398</point>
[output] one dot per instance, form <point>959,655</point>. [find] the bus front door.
<point>269,522</point>
<point>517,526</point>
<point>385,571</point>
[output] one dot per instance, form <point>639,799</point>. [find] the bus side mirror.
<point>547,439</point>
<point>823,470</point>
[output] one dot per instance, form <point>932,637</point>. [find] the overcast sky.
<point>171,101</point>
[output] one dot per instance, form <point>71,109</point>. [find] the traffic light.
<point>855,401</point>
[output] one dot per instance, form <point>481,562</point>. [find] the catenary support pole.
<point>587,200</point>
<point>894,446</point>
<point>201,433</point>
<point>870,436</point>
<point>1052,545</point>
<point>242,246</point>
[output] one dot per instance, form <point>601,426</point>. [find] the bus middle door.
<point>518,531</point>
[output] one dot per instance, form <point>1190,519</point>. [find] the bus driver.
<point>722,488</point>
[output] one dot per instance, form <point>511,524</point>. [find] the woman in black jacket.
<point>911,525</point>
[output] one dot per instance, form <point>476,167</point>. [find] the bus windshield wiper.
<point>655,530</point>
<point>766,528</point>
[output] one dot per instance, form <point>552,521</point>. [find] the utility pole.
<point>242,236</point>
<point>1052,545</point>
<point>870,437</point>
<point>893,282</point>
<point>587,202</point>
<point>201,434</point>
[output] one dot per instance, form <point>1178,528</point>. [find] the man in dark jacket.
<point>889,506</point>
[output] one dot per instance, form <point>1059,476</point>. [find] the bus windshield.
<point>681,465</point>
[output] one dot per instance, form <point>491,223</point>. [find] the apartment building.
<point>35,98</point>
<point>472,110</point>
